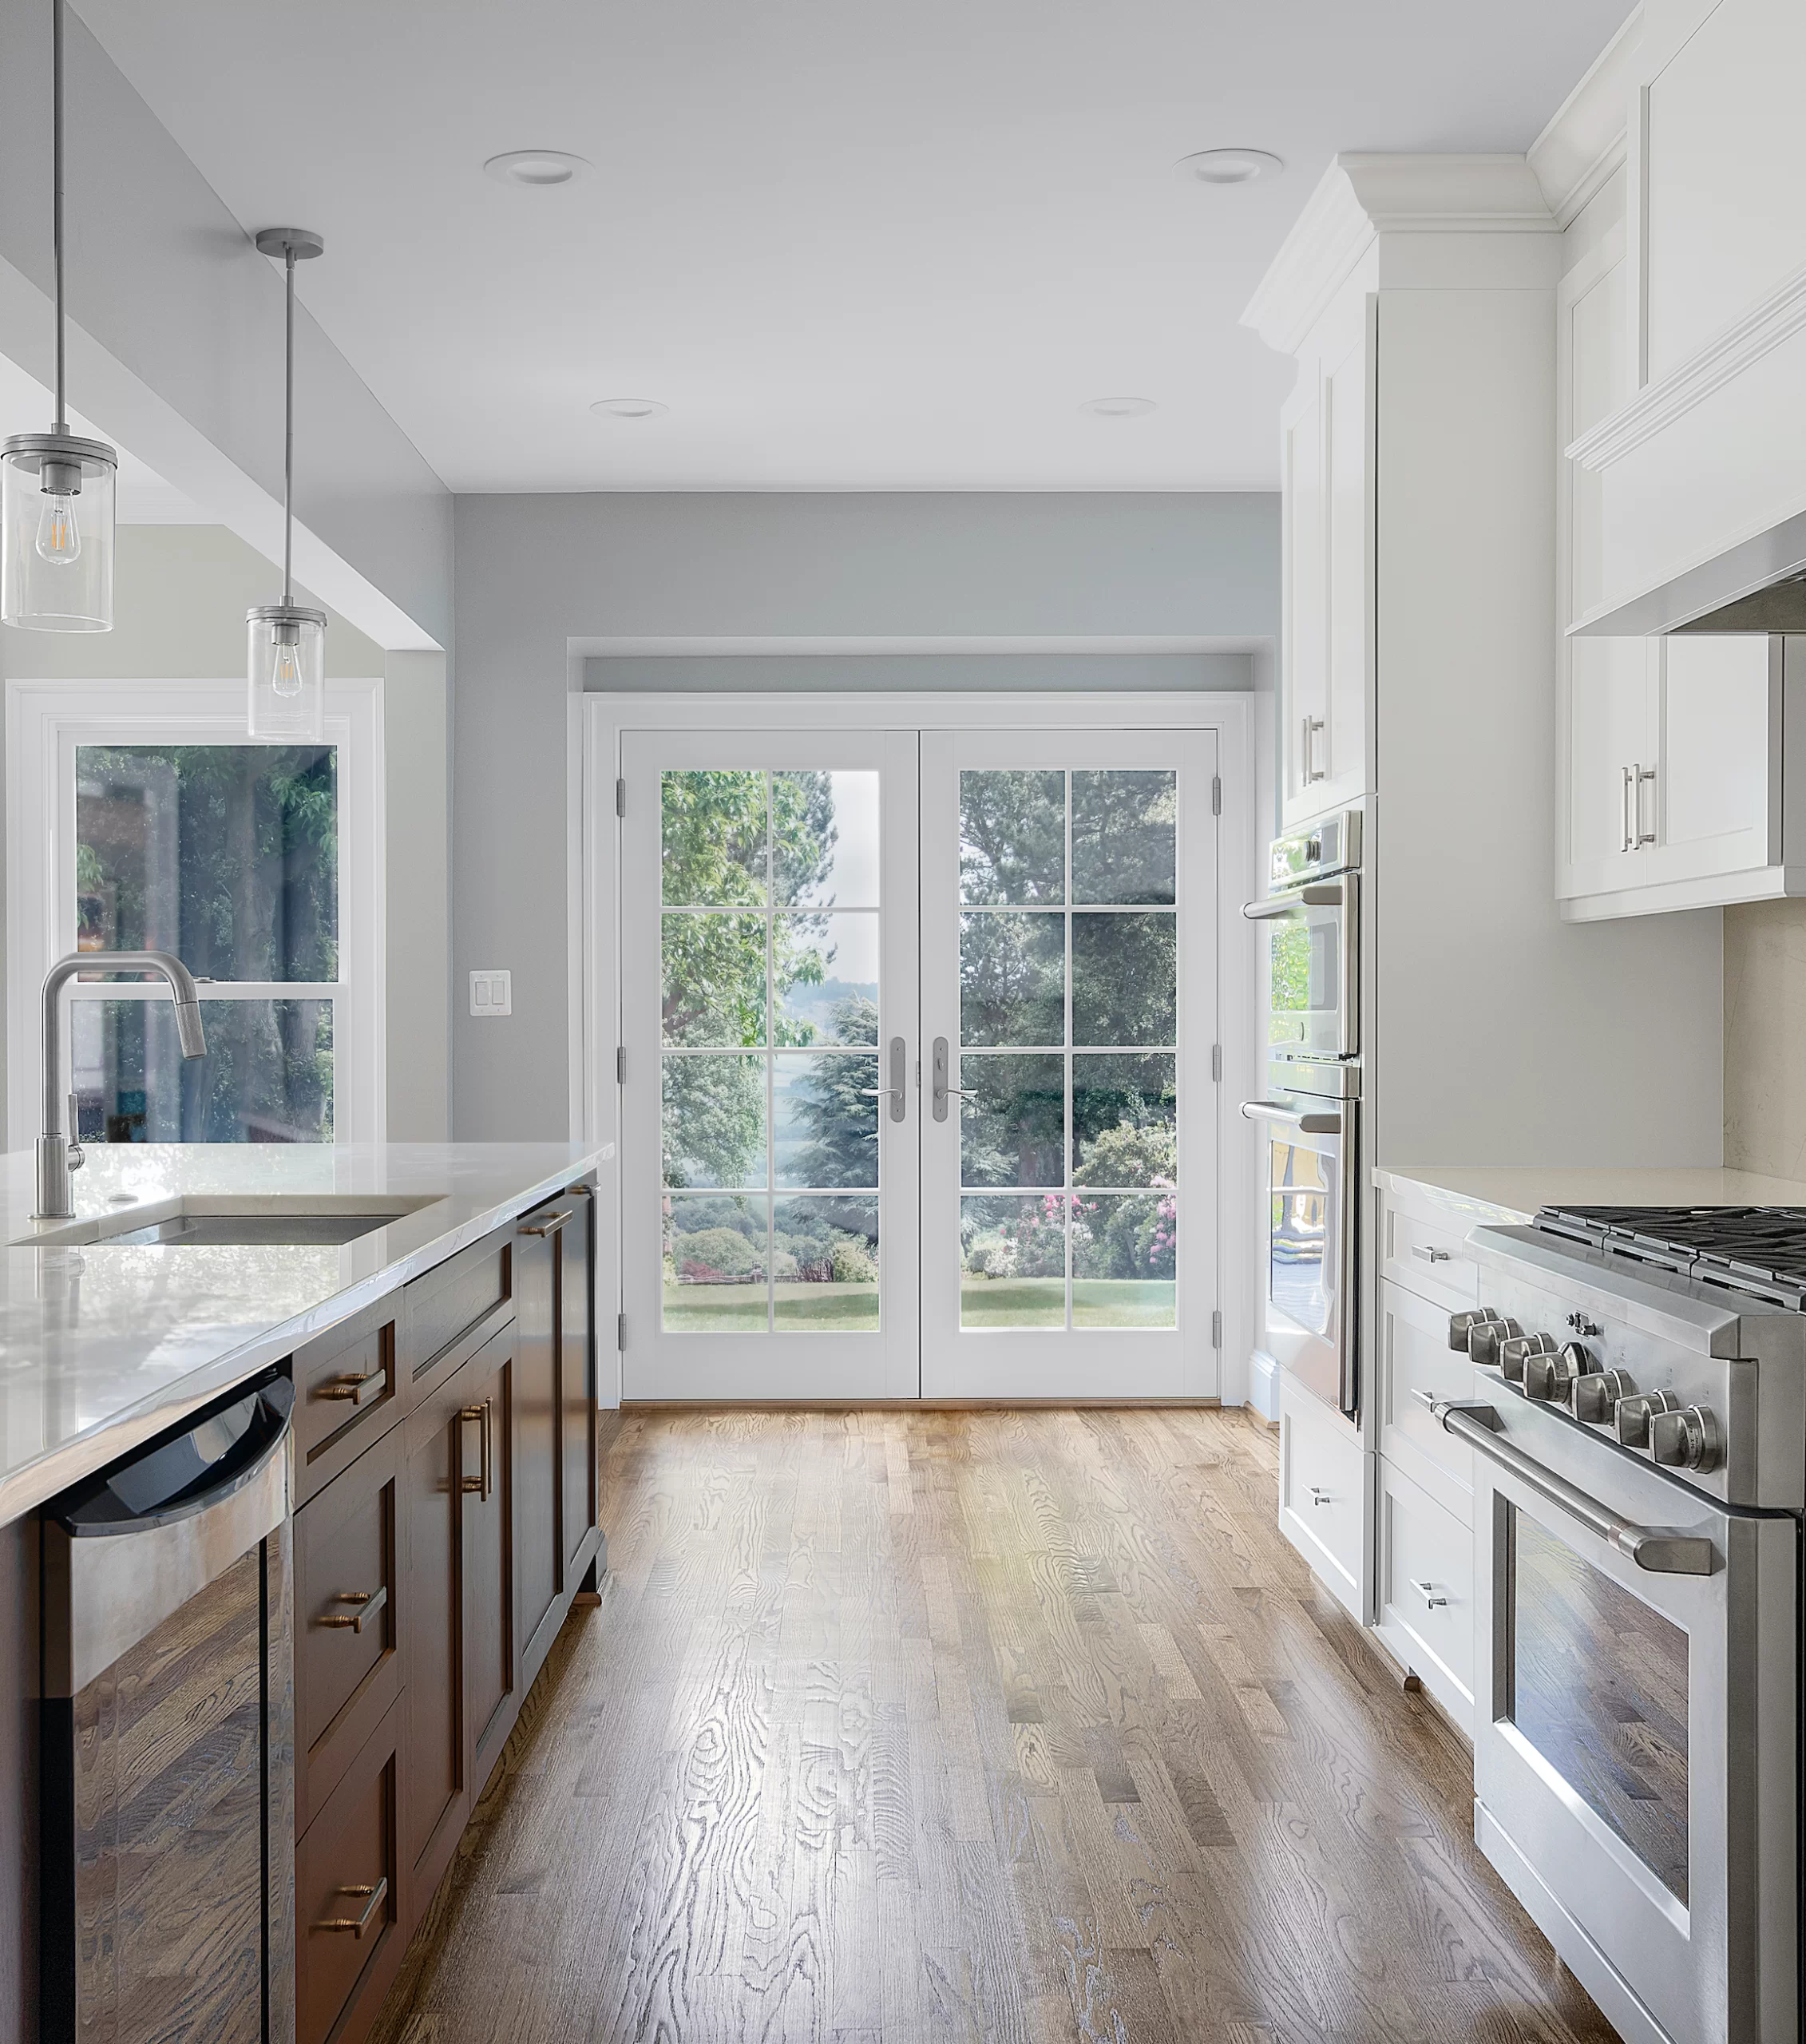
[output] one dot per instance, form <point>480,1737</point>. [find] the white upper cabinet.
<point>1327,538</point>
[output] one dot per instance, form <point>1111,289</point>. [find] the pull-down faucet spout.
<point>58,1155</point>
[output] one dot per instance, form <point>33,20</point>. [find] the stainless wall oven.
<point>1309,1116</point>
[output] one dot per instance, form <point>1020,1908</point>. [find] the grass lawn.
<point>1041,1302</point>
<point>740,1308</point>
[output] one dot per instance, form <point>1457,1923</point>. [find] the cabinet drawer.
<point>1430,1258</point>
<point>446,1304</point>
<point>348,1924</point>
<point>348,1389</point>
<point>1322,1504</point>
<point>1416,1365</point>
<point>1426,1592</point>
<point>348,1619</point>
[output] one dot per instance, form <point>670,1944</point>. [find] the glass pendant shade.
<point>56,554</point>
<point>287,673</point>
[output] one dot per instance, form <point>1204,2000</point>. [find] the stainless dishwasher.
<point>168,1760</point>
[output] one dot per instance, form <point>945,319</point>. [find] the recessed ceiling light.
<point>1230,166</point>
<point>535,166</point>
<point>1117,407</point>
<point>630,408</point>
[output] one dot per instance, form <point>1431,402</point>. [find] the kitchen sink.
<point>208,1224</point>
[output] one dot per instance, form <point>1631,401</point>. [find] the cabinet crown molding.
<point>1363,197</point>
<point>1585,139</point>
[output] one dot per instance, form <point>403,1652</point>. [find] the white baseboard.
<point>1263,1385</point>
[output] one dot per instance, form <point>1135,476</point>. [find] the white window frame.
<point>596,725</point>
<point>46,722</point>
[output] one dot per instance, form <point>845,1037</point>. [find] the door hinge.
<point>620,1064</point>
<point>620,798</point>
<point>1215,795</point>
<point>621,1330</point>
<point>1217,1063</point>
<point>1216,1327</point>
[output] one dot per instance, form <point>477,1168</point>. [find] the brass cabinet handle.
<point>351,1386</point>
<point>483,1415</point>
<point>375,1898</point>
<point>551,1224</point>
<point>368,1602</point>
<point>585,1191</point>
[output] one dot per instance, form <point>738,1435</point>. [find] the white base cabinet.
<point>1426,1598</point>
<point>1324,1493</point>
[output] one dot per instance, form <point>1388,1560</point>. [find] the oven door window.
<point>1598,1686</point>
<point>1301,1231</point>
<point>1305,973</point>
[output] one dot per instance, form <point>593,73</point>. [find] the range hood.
<point>1760,586</point>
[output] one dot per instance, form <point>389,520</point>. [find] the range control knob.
<point>1597,1394</point>
<point>1484,1336</point>
<point>1690,1439</point>
<point>1635,1414</point>
<point>1553,1377</point>
<point>1461,1325</point>
<point>1516,1350</point>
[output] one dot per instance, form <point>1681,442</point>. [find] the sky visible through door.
<point>769,1027</point>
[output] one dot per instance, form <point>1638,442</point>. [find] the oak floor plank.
<point>1011,1727</point>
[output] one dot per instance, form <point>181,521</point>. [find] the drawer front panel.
<point>1426,1592</point>
<point>1417,1364</point>
<point>1322,1509</point>
<point>346,1881</point>
<point>449,1302</point>
<point>347,1390</point>
<point>1430,1258</point>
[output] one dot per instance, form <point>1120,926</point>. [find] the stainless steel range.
<point>1638,1416</point>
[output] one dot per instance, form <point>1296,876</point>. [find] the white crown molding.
<point>1362,196</point>
<point>1657,405</point>
<point>1584,140</point>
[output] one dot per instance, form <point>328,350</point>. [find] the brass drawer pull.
<point>368,1602</point>
<point>483,1417</point>
<point>373,1899</point>
<point>352,1387</point>
<point>551,1224</point>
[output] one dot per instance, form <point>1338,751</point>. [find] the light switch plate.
<point>491,993</point>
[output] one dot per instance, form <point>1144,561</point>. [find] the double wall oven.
<point>1310,1114</point>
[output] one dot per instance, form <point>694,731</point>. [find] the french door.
<point>916,1082</point>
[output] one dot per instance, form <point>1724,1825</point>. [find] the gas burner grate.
<point>1760,1250</point>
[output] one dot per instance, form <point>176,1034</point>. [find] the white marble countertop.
<point>1516,1191</point>
<point>102,1346</point>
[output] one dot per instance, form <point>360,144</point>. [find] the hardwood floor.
<point>1011,1725</point>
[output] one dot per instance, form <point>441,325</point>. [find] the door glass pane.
<point>825,1120</point>
<point>1125,1256</point>
<point>1013,837</point>
<point>715,1121</point>
<point>1125,1119</point>
<point>759,988</point>
<point>227,855</point>
<point>1012,978</point>
<point>1599,1688</point>
<point>1012,1124</point>
<point>267,1076</point>
<point>1125,978</point>
<point>716,1253</point>
<point>1125,837</point>
<point>825,1265</point>
<point>714,839</point>
<point>1298,1191</point>
<point>1013,1255</point>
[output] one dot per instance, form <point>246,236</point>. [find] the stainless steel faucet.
<point>57,1156</point>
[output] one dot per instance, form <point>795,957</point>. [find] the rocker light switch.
<point>491,993</point>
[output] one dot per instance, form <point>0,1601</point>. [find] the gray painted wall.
<point>537,573</point>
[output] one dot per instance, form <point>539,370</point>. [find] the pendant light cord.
<point>56,187</point>
<point>287,434</point>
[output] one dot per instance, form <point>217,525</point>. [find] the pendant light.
<point>286,660</point>
<point>56,489</point>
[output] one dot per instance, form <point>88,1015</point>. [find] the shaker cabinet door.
<point>576,1376</point>
<point>491,1664</point>
<point>538,1548</point>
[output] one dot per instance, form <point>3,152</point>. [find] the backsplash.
<point>1765,1038</point>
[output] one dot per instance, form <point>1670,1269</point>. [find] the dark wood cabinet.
<point>454,1508</point>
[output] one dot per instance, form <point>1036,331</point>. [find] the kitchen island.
<point>406,1289</point>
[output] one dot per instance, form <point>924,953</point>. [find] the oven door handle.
<point>1308,1121</point>
<point>1318,894</point>
<point>1661,1550</point>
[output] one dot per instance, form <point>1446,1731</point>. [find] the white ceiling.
<point>850,245</point>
